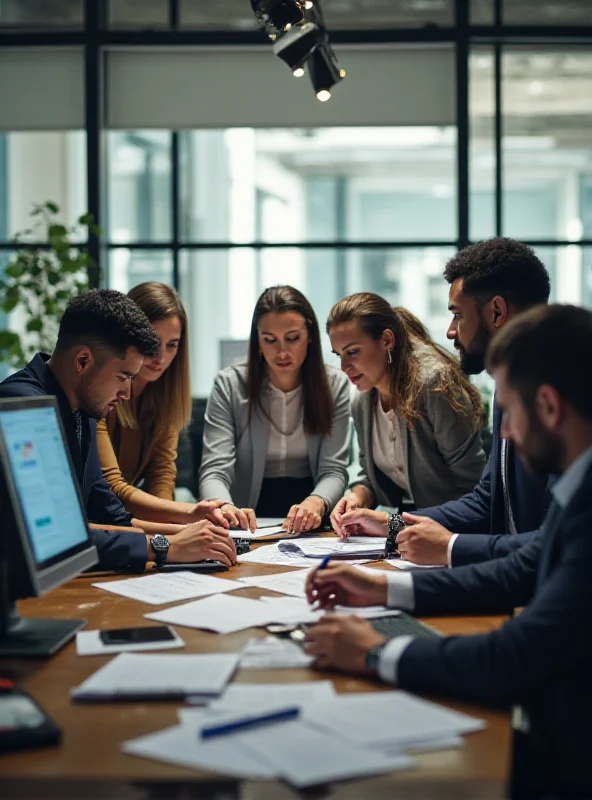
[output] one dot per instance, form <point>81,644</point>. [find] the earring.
<point>389,355</point>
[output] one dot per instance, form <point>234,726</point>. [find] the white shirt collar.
<point>571,480</point>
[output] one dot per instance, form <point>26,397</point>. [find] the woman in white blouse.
<point>417,416</point>
<point>276,428</point>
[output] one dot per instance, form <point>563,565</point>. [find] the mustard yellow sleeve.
<point>110,465</point>
<point>160,472</point>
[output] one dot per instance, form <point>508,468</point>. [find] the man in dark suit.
<point>490,282</point>
<point>103,339</point>
<point>540,661</point>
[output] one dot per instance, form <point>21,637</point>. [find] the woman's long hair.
<point>375,315</point>
<point>318,401</point>
<point>165,404</point>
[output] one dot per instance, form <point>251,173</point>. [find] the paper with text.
<point>168,587</point>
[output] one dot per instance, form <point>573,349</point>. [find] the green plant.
<point>41,280</point>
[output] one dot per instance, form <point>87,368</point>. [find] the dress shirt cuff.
<point>453,539</point>
<point>389,658</point>
<point>400,592</point>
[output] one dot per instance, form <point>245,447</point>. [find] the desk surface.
<point>92,733</point>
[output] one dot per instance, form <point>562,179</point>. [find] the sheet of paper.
<point>168,587</point>
<point>132,674</point>
<point>304,756</point>
<point>184,748</point>
<point>271,554</point>
<point>89,643</point>
<point>319,548</point>
<point>220,613</point>
<point>270,532</point>
<point>291,583</point>
<point>257,695</point>
<point>272,652</point>
<point>399,563</point>
<point>303,612</point>
<point>389,719</point>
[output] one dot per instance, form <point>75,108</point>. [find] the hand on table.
<point>423,541</point>
<point>200,541</point>
<point>341,584</point>
<point>341,642</point>
<point>363,521</point>
<point>239,517</point>
<point>305,516</point>
<point>348,502</point>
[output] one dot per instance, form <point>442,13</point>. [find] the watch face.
<point>160,543</point>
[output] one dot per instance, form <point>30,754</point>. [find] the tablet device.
<point>196,566</point>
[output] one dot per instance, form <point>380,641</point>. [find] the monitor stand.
<point>35,638</point>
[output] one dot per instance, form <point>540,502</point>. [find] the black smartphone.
<point>195,566</point>
<point>23,723</point>
<point>145,635</point>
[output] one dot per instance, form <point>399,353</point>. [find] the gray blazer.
<point>234,452</point>
<point>443,454</point>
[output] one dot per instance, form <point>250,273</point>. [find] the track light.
<point>324,71</point>
<point>300,39</point>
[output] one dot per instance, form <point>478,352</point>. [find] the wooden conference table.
<point>89,762</point>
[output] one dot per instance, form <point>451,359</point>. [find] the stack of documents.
<point>360,547</point>
<point>271,554</point>
<point>291,583</point>
<point>326,739</point>
<point>168,587</point>
<point>154,677</point>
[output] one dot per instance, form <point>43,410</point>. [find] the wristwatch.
<point>160,546</point>
<point>373,657</point>
<point>395,523</point>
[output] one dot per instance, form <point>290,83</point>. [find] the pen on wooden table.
<point>322,565</point>
<point>249,722</point>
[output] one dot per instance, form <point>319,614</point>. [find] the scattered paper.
<point>271,554</point>
<point>272,652</point>
<point>89,643</point>
<point>129,675</point>
<point>336,548</point>
<point>259,695</point>
<point>389,719</point>
<point>168,587</point>
<point>291,583</point>
<point>303,612</point>
<point>400,563</point>
<point>220,613</point>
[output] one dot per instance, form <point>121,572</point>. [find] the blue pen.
<point>322,565</point>
<point>249,722</point>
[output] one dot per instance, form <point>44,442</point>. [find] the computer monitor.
<point>44,539</point>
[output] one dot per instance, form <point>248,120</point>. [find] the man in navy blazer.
<point>102,341</point>
<point>540,661</point>
<point>490,282</point>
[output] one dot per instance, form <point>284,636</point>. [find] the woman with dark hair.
<point>276,428</point>
<point>417,416</point>
<point>138,439</point>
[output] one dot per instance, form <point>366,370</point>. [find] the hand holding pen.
<point>340,584</point>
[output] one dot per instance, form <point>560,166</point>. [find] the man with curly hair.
<point>491,282</point>
<point>102,342</point>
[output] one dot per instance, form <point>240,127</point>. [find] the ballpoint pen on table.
<point>249,722</point>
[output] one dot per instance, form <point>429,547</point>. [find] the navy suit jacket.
<point>540,659</point>
<point>126,552</point>
<point>480,515</point>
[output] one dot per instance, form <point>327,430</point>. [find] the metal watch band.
<point>395,523</point>
<point>160,548</point>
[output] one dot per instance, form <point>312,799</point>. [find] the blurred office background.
<point>210,167</point>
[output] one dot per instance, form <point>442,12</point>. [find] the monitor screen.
<point>43,482</point>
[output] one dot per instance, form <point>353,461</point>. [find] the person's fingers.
<point>251,518</point>
<point>414,519</point>
<point>228,512</point>
<point>403,536</point>
<point>243,520</point>
<point>289,521</point>
<point>223,551</point>
<point>299,518</point>
<point>217,517</point>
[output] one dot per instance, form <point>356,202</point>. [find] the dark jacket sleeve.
<point>123,552</point>
<point>473,548</point>
<point>469,514</point>
<point>493,587</point>
<point>544,641</point>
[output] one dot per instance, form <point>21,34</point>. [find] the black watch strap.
<point>160,548</point>
<point>373,658</point>
<point>395,523</point>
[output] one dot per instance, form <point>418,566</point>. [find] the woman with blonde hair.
<point>417,416</point>
<point>138,440</point>
<point>276,428</point>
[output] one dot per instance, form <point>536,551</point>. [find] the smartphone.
<point>145,635</point>
<point>194,566</point>
<point>23,723</point>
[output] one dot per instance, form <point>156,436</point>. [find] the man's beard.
<point>472,358</point>
<point>542,452</point>
<point>92,405</point>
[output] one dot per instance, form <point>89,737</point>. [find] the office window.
<point>139,187</point>
<point>128,267</point>
<point>39,14</point>
<point>481,144</point>
<point>138,14</point>
<point>357,184</point>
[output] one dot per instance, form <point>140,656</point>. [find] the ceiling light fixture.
<point>301,40</point>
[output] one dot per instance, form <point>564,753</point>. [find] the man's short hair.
<point>501,266</point>
<point>107,320</point>
<point>547,345</point>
